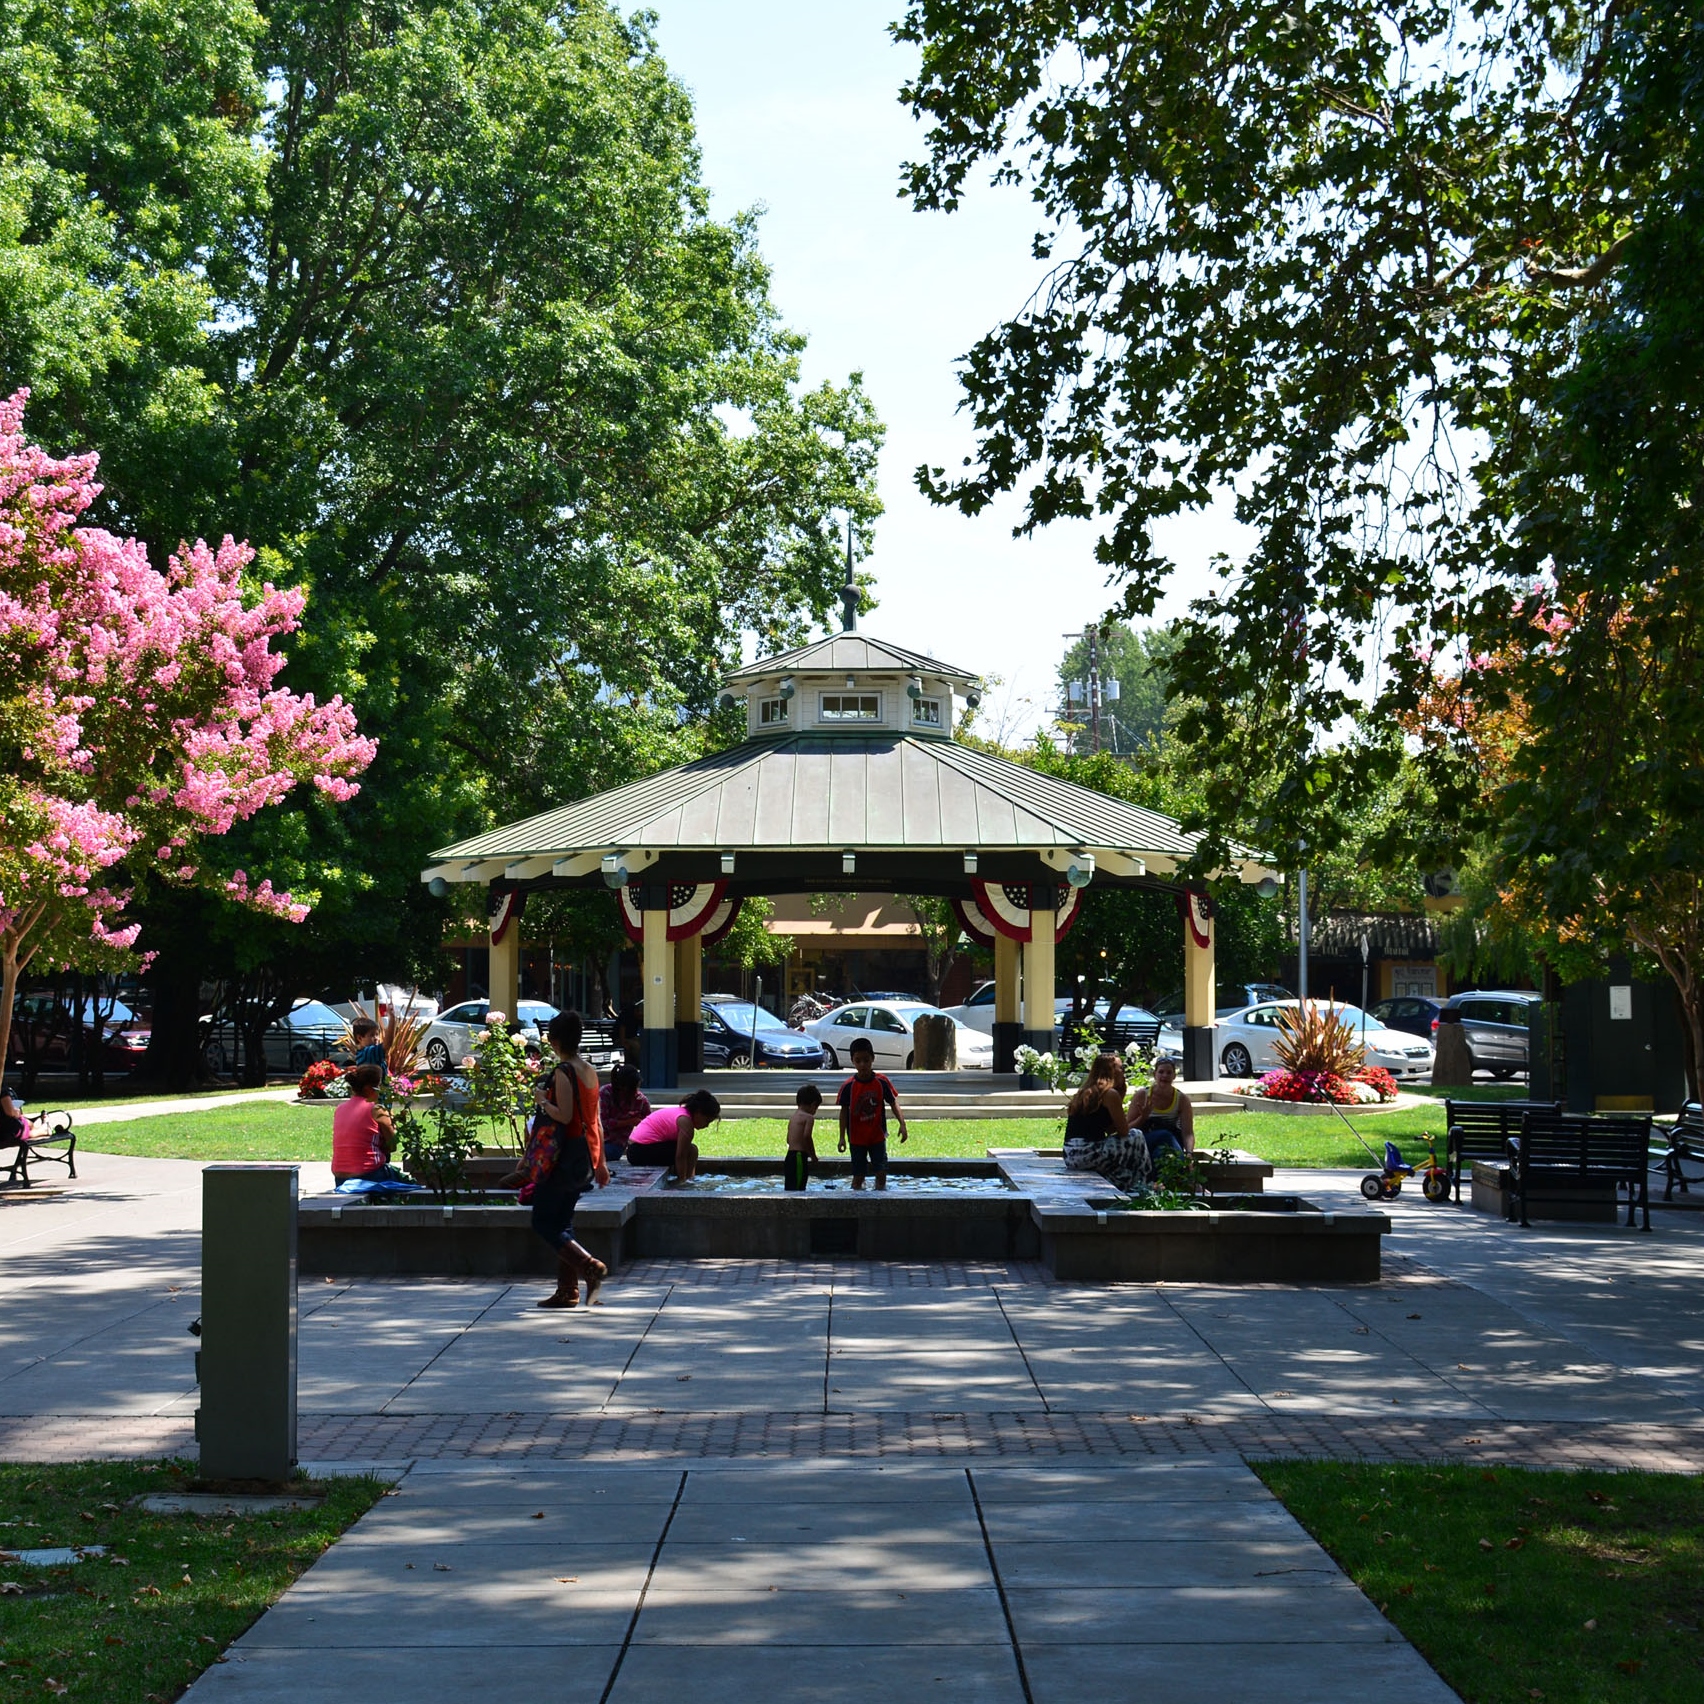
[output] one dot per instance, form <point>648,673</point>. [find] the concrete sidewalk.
<point>848,1584</point>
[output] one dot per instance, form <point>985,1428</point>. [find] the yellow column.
<point>657,964</point>
<point>1199,996</point>
<point>689,978</point>
<point>1038,979</point>
<point>1005,980</point>
<point>503,978</point>
<point>689,992</point>
<point>1008,1029</point>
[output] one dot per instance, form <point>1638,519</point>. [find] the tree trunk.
<point>8,993</point>
<point>174,1057</point>
<point>252,1074</point>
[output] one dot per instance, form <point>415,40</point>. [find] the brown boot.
<point>592,1270</point>
<point>567,1280</point>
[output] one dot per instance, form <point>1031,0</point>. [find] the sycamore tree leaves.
<point>1319,254</point>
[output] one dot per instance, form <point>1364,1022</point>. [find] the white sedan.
<point>1244,1041</point>
<point>886,1025</point>
<point>977,1012</point>
<point>450,1039</point>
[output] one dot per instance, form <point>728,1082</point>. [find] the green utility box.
<point>246,1424</point>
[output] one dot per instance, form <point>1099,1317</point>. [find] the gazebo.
<point>848,779</point>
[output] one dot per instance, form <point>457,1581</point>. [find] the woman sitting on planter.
<point>1163,1113</point>
<point>362,1135</point>
<point>1098,1136</point>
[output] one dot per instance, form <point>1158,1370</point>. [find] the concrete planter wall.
<point>1043,1212</point>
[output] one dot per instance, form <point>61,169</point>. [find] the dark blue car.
<point>731,1040</point>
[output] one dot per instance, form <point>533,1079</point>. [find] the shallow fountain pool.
<point>899,1183</point>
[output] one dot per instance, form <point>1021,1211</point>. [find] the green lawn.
<point>137,1625</point>
<point>1574,1588</point>
<point>268,1130</point>
<point>44,1099</point>
<point>278,1130</point>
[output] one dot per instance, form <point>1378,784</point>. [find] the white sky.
<point>797,113</point>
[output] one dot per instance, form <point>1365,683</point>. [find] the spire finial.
<point>849,595</point>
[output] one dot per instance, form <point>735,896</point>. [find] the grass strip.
<point>279,1130</point>
<point>1518,1584</point>
<point>139,1624</point>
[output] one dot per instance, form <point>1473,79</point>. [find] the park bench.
<point>1676,1147</point>
<point>597,1043</point>
<point>49,1137</point>
<point>1481,1130</point>
<point>1555,1149</point>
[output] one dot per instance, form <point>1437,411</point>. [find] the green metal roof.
<point>850,651</point>
<point>871,791</point>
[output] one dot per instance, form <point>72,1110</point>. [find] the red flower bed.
<point>315,1078</point>
<point>1315,1086</point>
<point>1377,1078</point>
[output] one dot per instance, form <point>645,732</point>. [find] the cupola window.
<point>772,712</point>
<point>925,712</point>
<point>851,707</point>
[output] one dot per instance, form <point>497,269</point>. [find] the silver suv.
<point>1494,1021</point>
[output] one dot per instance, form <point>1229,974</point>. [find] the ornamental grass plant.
<point>1313,1037</point>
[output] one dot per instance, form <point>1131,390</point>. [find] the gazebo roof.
<point>812,794</point>
<point>853,651</point>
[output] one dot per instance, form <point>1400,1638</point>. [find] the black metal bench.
<point>49,1137</point>
<point>1677,1146</point>
<point>597,1042</point>
<point>1481,1130</point>
<point>1557,1149</point>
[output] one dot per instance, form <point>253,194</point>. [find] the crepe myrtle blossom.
<point>142,716</point>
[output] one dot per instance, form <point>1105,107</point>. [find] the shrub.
<point>1315,1038</point>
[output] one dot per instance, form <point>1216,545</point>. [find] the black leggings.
<point>553,1204</point>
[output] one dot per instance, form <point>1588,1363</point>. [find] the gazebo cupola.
<point>848,779</point>
<point>851,684</point>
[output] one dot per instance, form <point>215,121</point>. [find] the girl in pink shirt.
<point>362,1135</point>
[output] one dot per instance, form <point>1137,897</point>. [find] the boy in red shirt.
<point>864,1099</point>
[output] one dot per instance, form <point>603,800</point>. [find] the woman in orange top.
<point>564,1158</point>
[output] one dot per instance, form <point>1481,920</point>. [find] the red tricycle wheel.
<point>1436,1186</point>
<point>1372,1186</point>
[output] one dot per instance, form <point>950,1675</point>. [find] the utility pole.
<point>1091,688</point>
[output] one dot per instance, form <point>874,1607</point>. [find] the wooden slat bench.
<point>1555,1149</point>
<point>1480,1130</point>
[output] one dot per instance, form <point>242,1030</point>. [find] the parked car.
<point>976,1011</point>
<point>388,997</point>
<point>1132,1023</point>
<point>1244,1039</point>
<point>41,1019</point>
<point>729,1038</point>
<point>1237,999</point>
<point>886,1024</point>
<point>449,1038</point>
<point>1495,1023</point>
<point>1416,1013</point>
<point>310,1030</point>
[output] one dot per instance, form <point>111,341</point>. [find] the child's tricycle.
<point>1386,1185</point>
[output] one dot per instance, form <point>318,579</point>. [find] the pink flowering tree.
<point>139,719</point>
